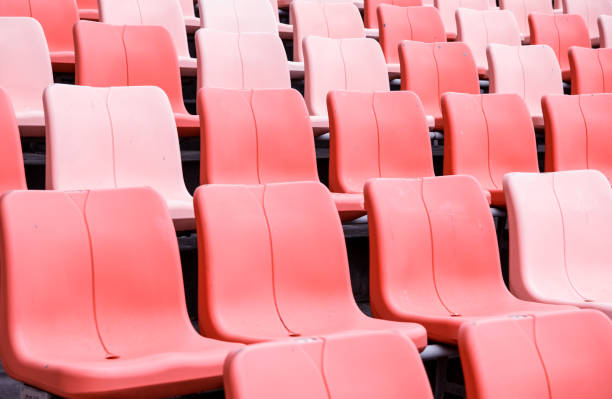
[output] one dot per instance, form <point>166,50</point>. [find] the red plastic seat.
<point>560,224</point>
<point>487,136</point>
<point>192,23</point>
<point>56,18</point>
<point>529,71</point>
<point>12,173</point>
<point>479,28</point>
<point>447,10</point>
<point>370,8</point>
<point>560,32</point>
<point>434,258</point>
<point>165,13</point>
<point>591,70</point>
<point>113,322</point>
<point>88,9</point>
<point>522,9</point>
<point>590,10</point>
<point>25,71</point>
<point>562,356</point>
<point>113,138</point>
<point>604,23</point>
<point>352,364</point>
<point>291,269</point>
<point>421,24</point>
<point>431,69</point>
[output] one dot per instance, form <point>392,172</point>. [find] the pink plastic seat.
<point>487,136</point>
<point>479,28</point>
<point>434,258</point>
<point>447,10</point>
<point>192,23</point>
<point>165,13</point>
<point>521,10</point>
<point>591,70</point>
<point>604,23</point>
<point>88,9</point>
<point>239,16</point>
<point>589,10</point>
<point>12,173</point>
<point>432,69</point>
<point>114,317</point>
<point>560,224</point>
<point>352,364</point>
<point>560,32</point>
<point>557,356</point>
<point>529,71</point>
<point>291,269</point>
<point>370,8</point>
<point>114,55</point>
<point>25,71</point>
<point>112,138</point>
<point>56,18</point>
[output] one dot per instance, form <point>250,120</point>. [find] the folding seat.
<point>479,28</point>
<point>604,23</point>
<point>132,55</point>
<point>252,126</point>
<point>351,364</point>
<point>434,258</point>
<point>88,9</point>
<point>291,269</point>
<point>590,10</point>
<point>113,322</point>
<point>591,70</point>
<point>192,23</point>
<point>25,71</point>
<point>529,71</point>
<point>370,8</point>
<point>555,356</point>
<point>521,10</point>
<point>447,10</point>
<point>420,24</point>
<point>56,18</point>
<point>560,32</point>
<point>239,15</point>
<point>431,69</point>
<point>12,174</point>
<point>165,13</point>
<point>487,136</point>
<point>112,138</point>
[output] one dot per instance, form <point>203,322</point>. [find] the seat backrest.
<point>590,10</point>
<point>604,23</point>
<point>165,13</point>
<point>529,71</point>
<point>370,8</point>
<point>522,8</point>
<point>128,55</point>
<point>380,134</point>
<point>560,32</point>
<point>341,64</point>
<point>487,136</point>
<point>591,70</point>
<point>12,173</point>
<point>479,28</point>
<point>244,137</point>
<point>577,132</point>
<point>421,24</point>
<point>292,268</point>
<point>428,238</point>
<point>110,138</point>
<point>447,10</point>
<point>557,355</point>
<point>350,364</point>
<point>231,60</point>
<point>333,20</point>
<point>431,69</point>
<point>187,7</point>
<point>239,16</point>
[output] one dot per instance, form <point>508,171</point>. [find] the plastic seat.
<point>25,71</point>
<point>529,71</point>
<point>560,356</point>
<point>291,269</point>
<point>591,70</point>
<point>559,232</point>
<point>479,28</point>
<point>114,55</point>
<point>560,32</point>
<point>192,23</point>
<point>112,138</point>
<point>88,9</point>
<point>604,23</point>
<point>239,16</point>
<point>353,364</point>
<point>434,257</point>
<point>431,69</point>
<point>113,258</point>
<point>12,173</point>
<point>251,126</point>
<point>56,18</point>
<point>447,10</point>
<point>590,10</point>
<point>487,136</point>
<point>370,8</point>
<point>165,13</point>
<point>421,24</point>
<point>521,10</point>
